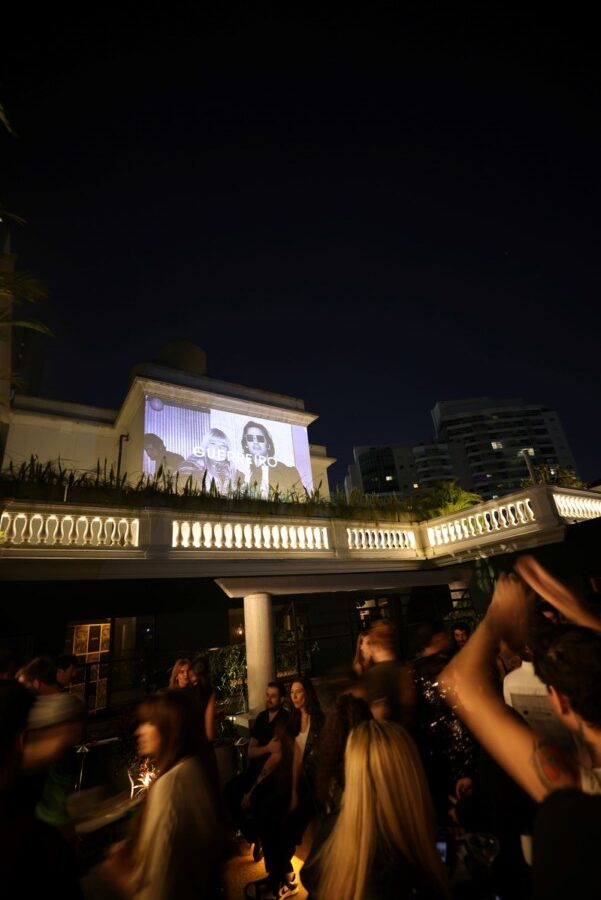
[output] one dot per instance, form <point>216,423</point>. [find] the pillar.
<point>260,657</point>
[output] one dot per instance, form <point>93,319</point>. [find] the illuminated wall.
<point>228,449</point>
<point>253,445</point>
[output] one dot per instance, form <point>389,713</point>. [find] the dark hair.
<point>39,669</point>
<point>568,658</point>
<point>152,442</point>
<point>176,717</point>
<point>425,633</point>
<point>313,706</point>
<point>202,670</point>
<point>279,685</point>
<point>269,447</point>
<point>462,626</point>
<point>67,659</point>
<point>342,717</point>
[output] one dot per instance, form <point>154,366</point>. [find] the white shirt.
<point>301,740</point>
<point>528,695</point>
<point>179,836</point>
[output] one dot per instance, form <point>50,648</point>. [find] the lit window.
<point>389,478</point>
<point>496,445</point>
<point>415,484</point>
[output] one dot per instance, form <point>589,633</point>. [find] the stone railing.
<point>365,538</point>
<point>205,534</point>
<point>485,521</point>
<point>524,519</point>
<point>68,529</point>
<point>576,506</point>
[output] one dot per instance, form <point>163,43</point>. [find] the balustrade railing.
<point>197,534</point>
<point>381,538</point>
<point>72,530</point>
<point>483,521</point>
<point>576,506</point>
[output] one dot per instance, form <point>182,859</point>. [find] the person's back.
<point>180,836</point>
<point>381,842</point>
<point>35,860</point>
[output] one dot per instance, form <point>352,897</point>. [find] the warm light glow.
<point>145,776</point>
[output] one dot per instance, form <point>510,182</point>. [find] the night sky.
<point>371,215</point>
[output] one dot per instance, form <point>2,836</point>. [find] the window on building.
<point>496,445</point>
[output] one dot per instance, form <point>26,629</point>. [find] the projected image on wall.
<point>229,450</point>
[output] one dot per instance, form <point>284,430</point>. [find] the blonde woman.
<point>180,674</point>
<point>381,843</point>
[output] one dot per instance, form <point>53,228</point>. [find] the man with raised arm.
<point>568,661</point>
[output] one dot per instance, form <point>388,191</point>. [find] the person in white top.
<point>568,661</point>
<point>177,845</point>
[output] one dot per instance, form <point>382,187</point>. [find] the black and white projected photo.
<point>229,450</point>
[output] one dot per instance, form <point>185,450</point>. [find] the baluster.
<point>197,534</point>
<point>238,535</point>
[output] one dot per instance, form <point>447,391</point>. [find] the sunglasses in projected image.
<point>256,438</point>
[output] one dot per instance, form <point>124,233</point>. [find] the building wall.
<point>77,444</point>
<point>81,436</point>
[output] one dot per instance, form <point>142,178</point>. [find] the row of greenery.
<point>53,481</point>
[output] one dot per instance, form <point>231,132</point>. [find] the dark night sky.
<point>370,217</point>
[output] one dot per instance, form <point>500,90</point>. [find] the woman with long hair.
<point>360,662</point>
<point>382,842</point>
<point>176,846</point>
<point>180,674</point>
<point>304,726</point>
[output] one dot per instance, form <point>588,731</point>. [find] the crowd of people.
<point>468,771</point>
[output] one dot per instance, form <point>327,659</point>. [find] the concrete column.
<point>260,657</point>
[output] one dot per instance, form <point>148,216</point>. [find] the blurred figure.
<point>55,726</point>
<point>347,712</point>
<point>205,696</point>
<point>180,674</point>
<point>382,841</point>
<point>445,744</point>
<point>388,684</point>
<point>177,846</point>
<point>35,860</point>
<point>567,659</point>
<point>361,661</point>
<point>461,634</point>
<point>66,668</point>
